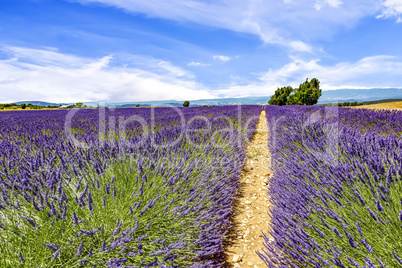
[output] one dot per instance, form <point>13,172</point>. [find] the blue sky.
<point>135,50</point>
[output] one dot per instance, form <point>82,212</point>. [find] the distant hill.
<point>360,95</point>
<point>339,95</point>
<point>195,103</point>
<point>40,103</point>
<point>381,101</point>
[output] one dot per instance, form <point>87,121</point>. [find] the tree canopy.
<point>307,93</point>
<point>186,104</point>
<point>281,95</point>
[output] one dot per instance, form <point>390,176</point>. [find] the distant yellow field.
<point>389,105</point>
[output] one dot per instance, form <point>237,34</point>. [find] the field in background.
<point>388,105</point>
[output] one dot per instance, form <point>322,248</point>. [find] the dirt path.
<point>251,207</point>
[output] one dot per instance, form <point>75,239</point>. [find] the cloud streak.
<point>319,4</point>
<point>392,8</point>
<point>292,24</point>
<point>193,63</point>
<point>48,75</point>
<point>221,58</point>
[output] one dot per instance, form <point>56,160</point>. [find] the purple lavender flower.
<point>369,263</point>
<point>337,232</point>
<point>359,229</point>
<point>82,261</point>
<point>123,249</point>
<point>75,219</point>
<point>90,201</point>
<point>353,262</point>
<point>367,245</point>
<point>103,247</point>
<point>104,201</point>
<point>31,221</point>
<point>80,249</point>
<point>22,260</point>
<point>107,188</point>
<point>56,254</point>
<point>117,230</point>
<point>379,207</point>
<point>51,246</point>
<point>114,262</point>
<point>90,254</point>
<point>396,257</point>
<point>371,213</point>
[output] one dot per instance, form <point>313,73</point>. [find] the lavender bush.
<point>119,188</point>
<point>336,190</point>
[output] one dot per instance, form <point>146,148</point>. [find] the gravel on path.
<point>251,216</point>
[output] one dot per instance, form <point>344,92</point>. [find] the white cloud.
<point>300,46</point>
<point>275,22</point>
<point>369,72</point>
<point>177,71</point>
<point>48,75</point>
<point>221,58</point>
<point>319,4</point>
<point>376,71</point>
<point>391,8</point>
<point>193,63</point>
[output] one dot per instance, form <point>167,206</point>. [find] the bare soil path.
<point>251,207</point>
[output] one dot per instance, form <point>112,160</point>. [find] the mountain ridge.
<point>328,96</point>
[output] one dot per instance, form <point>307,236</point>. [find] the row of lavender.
<point>337,189</point>
<point>119,188</point>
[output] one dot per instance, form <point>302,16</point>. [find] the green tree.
<point>137,105</point>
<point>281,95</point>
<point>23,106</point>
<point>308,93</point>
<point>79,105</point>
<point>186,104</point>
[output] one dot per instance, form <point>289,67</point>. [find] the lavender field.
<point>120,188</point>
<point>336,190</point>
<point>155,187</point>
